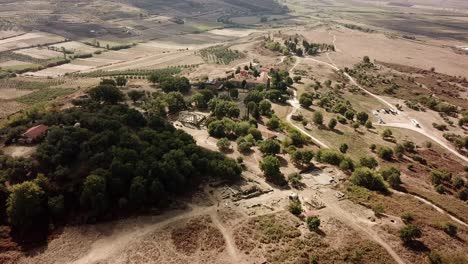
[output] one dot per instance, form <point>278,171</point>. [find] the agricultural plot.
<point>40,53</point>
<point>29,40</point>
<point>75,47</point>
<point>220,55</point>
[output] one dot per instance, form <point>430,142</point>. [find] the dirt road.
<point>296,106</point>
<point>407,125</point>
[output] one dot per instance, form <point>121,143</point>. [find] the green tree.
<point>273,123</point>
<point>138,193</point>
<point>223,144</point>
<point>318,118</point>
<point>234,93</point>
<point>392,176</point>
<point>94,195</point>
<point>25,205</point>
<point>270,147</point>
<point>362,117</point>
<point>120,81</point>
<point>368,124</point>
<point>385,153</point>
<point>135,95</point>
<point>56,205</point>
<point>270,166</point>
<point>175,102</point>
<point>107,94</point>
<point>264,107</point>
<point>364,177</point>
<point>332,124</point>
<point>349,115</point>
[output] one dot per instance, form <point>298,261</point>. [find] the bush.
<point>364,177</point>
<point>318,118</point>
<point>313,223</point>
<point>295,207</point>
<point>223,144</point>
<point>407,218</point>
<point>295,180</point>
<point>332,123</point>
<point>343,148</point>
<point>329,156</point>
<point>387,133</point>
<point>450,229</point>
<point>409,233</point>
<point>392,176</point>
<point>368,162</point>
<point>270,147</point>
<point>385,153</point>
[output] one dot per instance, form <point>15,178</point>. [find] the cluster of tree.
<point>460,142</point>
<point>314,48</point>
<point>226,127</point>
<point>443,180</point>
<point>275,46</point>
<point>114,161</point>
<point>335,158</point>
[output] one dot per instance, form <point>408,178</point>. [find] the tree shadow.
<point>320,233</point>
<point>336,131</point>
<point>417,245</point>
<point>283,161</point>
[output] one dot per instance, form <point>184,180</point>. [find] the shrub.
<point>368,162</point>
<point>295,180</point>
<point>343,148</point>
<point>409,233</point>
<point>440,189</point>
<point>392,176</point>
<point>223,144</point>
<point>270,147</point>
<point>463,194</point>
<point>313,223</point>
<point>385,153</point>
<point>450,229</point>
<point>329,156</point>
<point>332,123</point>
<point>387,133</point>
<point>318,118</point>
<point>295,207</point>
<point>407,218</point>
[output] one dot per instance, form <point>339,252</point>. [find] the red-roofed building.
<point>34,133</point>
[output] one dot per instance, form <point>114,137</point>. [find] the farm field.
<point>28,40</point>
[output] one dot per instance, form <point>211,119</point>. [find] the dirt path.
<point>109,246</point>
<point>408,125</point>
<point>228,239</point>
<point>296,106</point>
<point>429,135</point>
<point>440,210</point>
<point>334,209</point>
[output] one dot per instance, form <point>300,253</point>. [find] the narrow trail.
<point>296,106</point>
<point>385,102</point>
<point>108,246</point>
<point>440,210</point>
<point>352,222</point>
<point>230,243</point>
